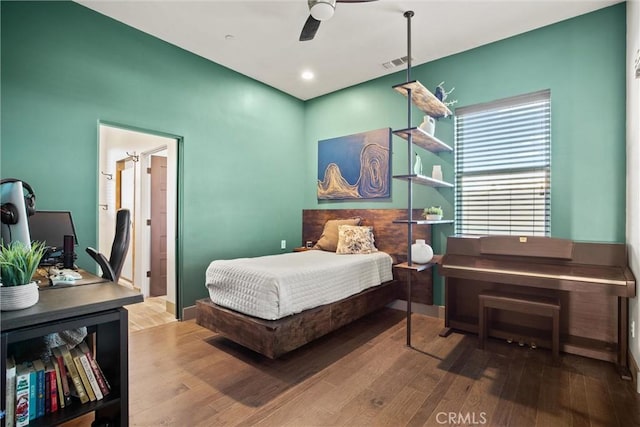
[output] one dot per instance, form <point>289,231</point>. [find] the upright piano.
<point>592,281</point>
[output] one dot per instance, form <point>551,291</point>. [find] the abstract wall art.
<point>355,166</point>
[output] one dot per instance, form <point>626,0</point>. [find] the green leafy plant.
<point>433,210</point>
<point>18,263</point>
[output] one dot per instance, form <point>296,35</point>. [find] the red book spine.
<point>97,372</point>
<point>63,377</point>
<point>53,391</point>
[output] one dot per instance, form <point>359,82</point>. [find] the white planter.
<point>18,297</point>
<point>432,217</point>
<point>421,253</point>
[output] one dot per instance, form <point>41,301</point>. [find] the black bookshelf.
<point>99,307</point>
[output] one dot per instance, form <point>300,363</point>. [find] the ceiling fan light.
<point>323,9</point>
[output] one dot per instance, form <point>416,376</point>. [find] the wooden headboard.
<point>389,237</point>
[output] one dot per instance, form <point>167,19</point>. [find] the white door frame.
<point>128,178</point>
<point>114,142</point>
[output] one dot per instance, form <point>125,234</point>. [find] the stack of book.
<point>38,387</point>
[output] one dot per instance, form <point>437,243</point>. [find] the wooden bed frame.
<point>274,338</point>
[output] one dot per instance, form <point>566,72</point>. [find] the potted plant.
<point>18,264</point>
<point>433,213</point>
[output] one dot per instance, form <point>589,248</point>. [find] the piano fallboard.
<point>609,280</point>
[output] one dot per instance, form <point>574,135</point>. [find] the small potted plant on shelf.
<point>433,213</point>
<point>18,264</point>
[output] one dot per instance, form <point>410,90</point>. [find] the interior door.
<point>158,279</point>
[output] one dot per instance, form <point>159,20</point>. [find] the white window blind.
<point>503,166</point>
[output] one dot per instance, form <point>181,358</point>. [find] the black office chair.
<point>112,268</point>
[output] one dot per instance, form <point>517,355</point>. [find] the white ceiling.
<point>348,49</point>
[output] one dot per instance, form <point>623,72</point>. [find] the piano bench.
<point>529,304</point>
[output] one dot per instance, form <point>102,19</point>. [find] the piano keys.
<point>592,281</point>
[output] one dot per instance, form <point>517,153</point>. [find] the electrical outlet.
<point>283,244</point>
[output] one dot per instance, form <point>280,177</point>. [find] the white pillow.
<point>354,239</point>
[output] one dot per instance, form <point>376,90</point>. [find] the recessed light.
<point>228,37</point>
<point>307,75</point>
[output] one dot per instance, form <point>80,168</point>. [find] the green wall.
<point>249,152</point>
<point>581,60</point>
<point>65,67</point>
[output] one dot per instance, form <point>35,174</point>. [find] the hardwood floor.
<point>363,375</point>
<point>152,312</point>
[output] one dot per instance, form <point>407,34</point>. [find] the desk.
<point>97,306</point>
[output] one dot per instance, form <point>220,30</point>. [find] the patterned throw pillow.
<point>329,239</point>
<point>355,240</point>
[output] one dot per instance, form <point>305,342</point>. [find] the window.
<point>503,166</point>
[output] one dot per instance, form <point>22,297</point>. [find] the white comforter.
<point>275,286</point>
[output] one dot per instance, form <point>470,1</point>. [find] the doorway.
<point>138,171</point>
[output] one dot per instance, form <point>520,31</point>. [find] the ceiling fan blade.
<point>310,28</point>
<point>354,1</point>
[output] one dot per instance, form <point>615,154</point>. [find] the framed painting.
<point>355,166</point>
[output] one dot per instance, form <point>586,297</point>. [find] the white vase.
<point>421,252</point>
<point>436,172</point>
<point>417,166</point>
<point>18,297</point>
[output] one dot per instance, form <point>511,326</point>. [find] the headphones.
<point>9,212</point>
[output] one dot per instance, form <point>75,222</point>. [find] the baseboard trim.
<point>189,313</point>
<point>635,372</point>
<point>436,311</point>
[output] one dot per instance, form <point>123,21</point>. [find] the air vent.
<point>395,62</point>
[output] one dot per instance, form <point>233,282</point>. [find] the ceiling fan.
<point>321,10</point>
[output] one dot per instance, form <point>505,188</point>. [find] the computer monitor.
<point>50,227</point>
